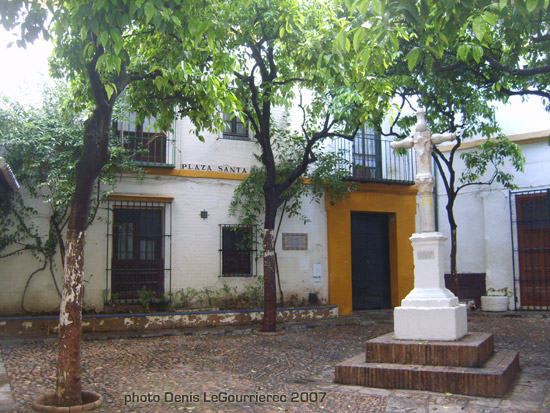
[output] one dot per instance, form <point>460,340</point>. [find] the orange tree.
<point>457,59</point>
<point>106,48</point>
<point>289,54</point>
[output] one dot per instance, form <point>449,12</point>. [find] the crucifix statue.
<point>430,311</point>
<point>423,141</point>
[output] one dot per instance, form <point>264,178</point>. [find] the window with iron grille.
<point>234,128</point>
<point>237,249</point>
<point>149,146</point>
<point>139,246</point>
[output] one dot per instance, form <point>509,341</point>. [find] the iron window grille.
<point>234,128</point>
<point>237,251</point>
<point>367,154</point>
<point>530,228</point>
<point>370,158</point>
<point>139,250</point>
<point>149,146</point>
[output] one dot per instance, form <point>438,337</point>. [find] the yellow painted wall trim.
<point>140,197</point>
<point>520,139</point>
<point>187,173</point>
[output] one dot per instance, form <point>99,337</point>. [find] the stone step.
<point>472,350</point>
<point>491,380</point>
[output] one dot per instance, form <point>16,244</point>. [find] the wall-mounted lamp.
<point>204,214</point>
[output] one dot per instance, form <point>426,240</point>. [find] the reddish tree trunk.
<point>69,385</point>
<point>95,155</point>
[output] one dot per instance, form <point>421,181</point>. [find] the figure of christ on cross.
<point>423,142</point>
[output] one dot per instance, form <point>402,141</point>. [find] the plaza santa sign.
<point>215,168</point>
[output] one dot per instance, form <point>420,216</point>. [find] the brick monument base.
<point>466,366</point>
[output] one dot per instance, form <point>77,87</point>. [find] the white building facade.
<point>502,234</point>
<point>170,230</point>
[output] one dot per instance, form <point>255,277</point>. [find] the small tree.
<point>467,115</point>
<point>456,59</point>
<point>103,48</point>
<point>275,50</point>
<point>328,175</point>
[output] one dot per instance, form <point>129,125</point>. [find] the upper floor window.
<point>234,128</point>
<point>367,154</point>
<point>149,145</point>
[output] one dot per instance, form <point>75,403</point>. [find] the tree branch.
<point>489,182</point>
<point>25,248</point>
<point>524,92</point>
<point>515,71</point>
<point>541,38</point>
<point>438,67</point>
<point>291,80</point>
<point>133,77</point>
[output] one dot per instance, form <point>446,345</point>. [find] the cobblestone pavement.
<point>232,370</point>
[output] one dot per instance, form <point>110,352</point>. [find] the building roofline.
<point>520,139</point>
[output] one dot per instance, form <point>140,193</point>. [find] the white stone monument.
<point>430,311</point>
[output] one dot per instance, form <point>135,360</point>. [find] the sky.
<point>23,71</point>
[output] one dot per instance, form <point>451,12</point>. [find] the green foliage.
<point>503,44</point>
<point>495,153</point>
<point>251,297</point>
<point>326,176</point>
<point>456,59</point>
<point>148,298</point>
<point>145,298</point>
<point>184,297</point>
<point>42,145</point>
<point>17,231</point>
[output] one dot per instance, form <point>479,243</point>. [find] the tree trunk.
<point>454,273</point>
<point>94,156</point>
<point>269,323</point>
<point>69,385</point>
<point>453,281</point>
<point>281,293</point>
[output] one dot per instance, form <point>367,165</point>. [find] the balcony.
<point>154,150</point>
<point>371,159</point>
<point>148,145</point>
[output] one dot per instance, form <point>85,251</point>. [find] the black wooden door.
<point>138,259</point>
<point>370,262</point>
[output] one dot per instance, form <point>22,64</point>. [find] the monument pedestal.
<point>430,311</point>
<point>466,366</point>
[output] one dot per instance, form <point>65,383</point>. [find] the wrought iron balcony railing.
<point>373,160</point>
<point>152,150</point>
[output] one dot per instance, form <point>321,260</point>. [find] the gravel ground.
<point>293,371</point>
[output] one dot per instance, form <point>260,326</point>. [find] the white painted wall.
<point>15,272</point>
<point>195,258</point>
<point>214,150</point>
